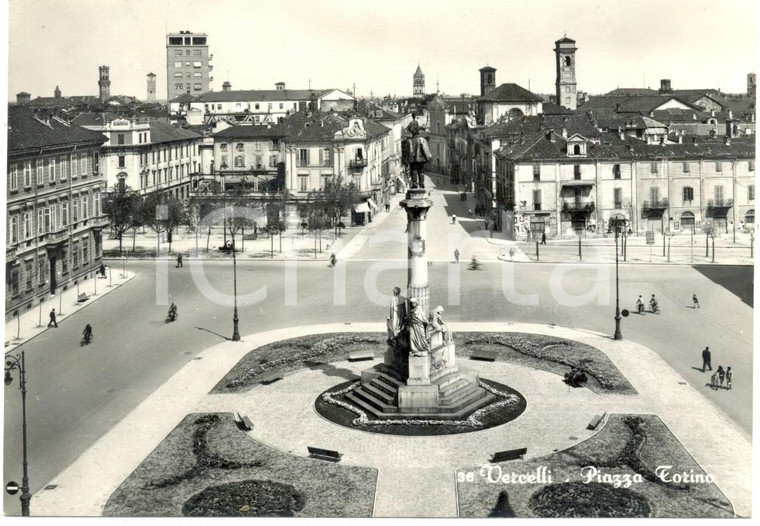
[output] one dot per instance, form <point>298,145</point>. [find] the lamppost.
<point>618,335</point>
<point>235,319</point>
<point>11,363</point>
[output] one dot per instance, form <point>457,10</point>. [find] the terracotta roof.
<point>27,132</point>
<point>550,108</point>
<point>256,95</point>
<point>510,93</point>
<point>164,132</point>
<point>95,118</point>
<point>629,92</point>
<point>250,132</point>
<point>322,126</point>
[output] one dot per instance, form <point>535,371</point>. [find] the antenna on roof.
<point>309,83</point>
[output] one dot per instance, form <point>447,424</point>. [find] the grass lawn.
<point>628,445</point>
<point>208,467</point>
<point>548,353</point>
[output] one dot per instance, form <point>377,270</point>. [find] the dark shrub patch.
<point>576,499</point>
<point>249,498</point>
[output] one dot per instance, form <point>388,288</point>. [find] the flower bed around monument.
<point>334,407</point>
<point>296,353</point>
<point>629,452</point>
<point>208,467</point>
<point>548,353</point>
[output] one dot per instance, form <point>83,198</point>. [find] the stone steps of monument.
<point>381,394</point>
<point>474,404</point>
<point>376,403</point>
<point>382,385</point>
<point>374,411</point>
<point>446,379</point>
<point>466,392</point>
<point>388,379</point>
<point>454,386</point>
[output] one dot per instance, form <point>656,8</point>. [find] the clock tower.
<point>567,95</point>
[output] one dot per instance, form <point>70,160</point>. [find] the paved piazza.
<point>555,418</point>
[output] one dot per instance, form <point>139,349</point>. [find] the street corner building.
<point>54,215</point>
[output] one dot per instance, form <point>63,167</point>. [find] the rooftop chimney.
<point>665,86</point>
<point>680,139</point>
<point>226,86</point>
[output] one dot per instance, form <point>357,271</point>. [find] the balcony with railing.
<point>658,204</point>
<point>578,206</point>
<point>720,203</point>
<point>357,164</point>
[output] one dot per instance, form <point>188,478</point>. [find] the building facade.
<point>264,107</point>
<point>146,156</point>
<point>566,184</point>
<point>188,64</point>
<point>54,216</point>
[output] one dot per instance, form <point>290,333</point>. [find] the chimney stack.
<point>279,86</point>
<point>226,86</point>
<point>665,86</point>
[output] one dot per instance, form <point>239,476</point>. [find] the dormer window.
<point>577,146</point>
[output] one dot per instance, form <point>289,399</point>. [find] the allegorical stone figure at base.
<point>438,325</point>
<point>398,310</point>
<point>417,325</point>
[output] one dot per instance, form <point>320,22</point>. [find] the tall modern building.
<point>567,94</point>
<point>151,93</point>
<point>188,64</point>
<point>104,83</point>
<point>419,82</point>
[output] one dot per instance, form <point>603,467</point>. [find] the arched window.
<point>577,149</point>
<point>567,62</point>
<point>749,217</point>
<point>687,220</point>
<point>515,113</point>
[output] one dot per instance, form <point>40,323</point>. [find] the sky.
<point>376,45</point>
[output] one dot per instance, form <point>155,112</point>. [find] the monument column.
<point>417,205</point>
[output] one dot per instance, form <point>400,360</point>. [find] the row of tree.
<point>164,213</point>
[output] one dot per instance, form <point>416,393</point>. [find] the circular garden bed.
<point>493,415</point>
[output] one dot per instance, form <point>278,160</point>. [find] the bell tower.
<point>151,93</point>
<point>419,83</point>
<point>487,79</point>
<point>567,95</point>
<point>104,83</point>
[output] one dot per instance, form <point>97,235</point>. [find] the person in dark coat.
<point>706,359</point>
<point>721,375</point>
<point>103,270</point>
<point>543,238</point>
<point>729,377</point>
<point>52,319</point>
<point>695,301</point>
<point>179,260</point>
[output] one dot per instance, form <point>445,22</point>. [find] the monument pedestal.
<point>419,370</point>
<point>413,398</point>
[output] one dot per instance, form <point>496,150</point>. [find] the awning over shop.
<point>361,208</point>
<point>372,203</point>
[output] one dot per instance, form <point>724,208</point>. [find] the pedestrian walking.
<point>387,207</point>
<point>486,224</point>
<point>543,238</point>
<point>179,260</point>
<point>721,374</point>
<point>87,334</point>
<point>706,359</point>
<point>714,380</point>
<point>695,301</point>
<point>453,219</point>
<point>52,319</point>
<point>103,270</point>
<point>456,255</point>
<point>729,377</point>
<point>512,254</point>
